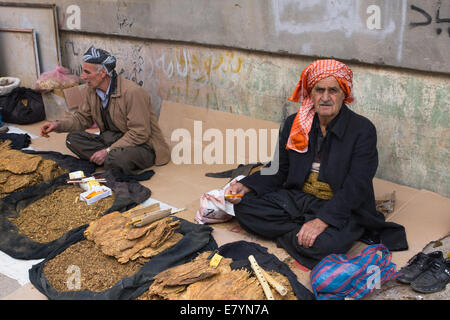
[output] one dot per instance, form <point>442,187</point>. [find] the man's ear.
<point>103,72</point>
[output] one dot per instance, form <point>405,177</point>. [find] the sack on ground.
<point>340,276</point>
<point>22,106</point>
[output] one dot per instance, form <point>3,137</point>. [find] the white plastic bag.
<point>213,206</point>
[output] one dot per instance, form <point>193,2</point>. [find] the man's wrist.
<point>108,150</point>
<point>57,125</point>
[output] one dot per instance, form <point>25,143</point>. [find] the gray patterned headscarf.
<point>100,56</point>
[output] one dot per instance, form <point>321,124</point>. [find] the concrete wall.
<point>409,108</point>
<point>405,33</point>
<point>246,57</point>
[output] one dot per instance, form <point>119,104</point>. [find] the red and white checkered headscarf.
<point>316,71</point>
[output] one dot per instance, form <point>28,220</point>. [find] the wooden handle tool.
<point>140,210</point>
<point>258,272</point>
<point>80,180</point>
<point>274,283</point>
<point>145,219</point>
<point>151,217</point>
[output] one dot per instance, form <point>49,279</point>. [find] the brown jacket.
<point>131,112</point>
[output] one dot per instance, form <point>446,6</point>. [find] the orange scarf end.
<point>298,141</point>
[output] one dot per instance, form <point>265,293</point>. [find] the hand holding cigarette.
<point>235,192</point>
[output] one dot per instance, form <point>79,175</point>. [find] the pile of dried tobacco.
<point>98,272</point>
<point>19,170</point>
<point>52,216</point>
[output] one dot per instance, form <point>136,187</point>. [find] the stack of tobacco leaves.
<point>197,280</point>
<point>19,170</point>
<point>52,216</point>
<point>124,242</point>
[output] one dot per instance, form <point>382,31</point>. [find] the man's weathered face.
<point>91,75</point>
<point>327,97</point>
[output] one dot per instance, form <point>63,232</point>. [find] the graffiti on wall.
<point>179,74</point>
<point>428,19</point>
<point>200,75</point>
<point>353,18</point>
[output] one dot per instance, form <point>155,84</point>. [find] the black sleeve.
<point>267,181</point>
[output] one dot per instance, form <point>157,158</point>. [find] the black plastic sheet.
<point>196,239</point>
<point>19,246</point>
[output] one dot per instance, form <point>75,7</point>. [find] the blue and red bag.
<point>339,276</point>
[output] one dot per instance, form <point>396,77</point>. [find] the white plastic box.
<point>85,195</point>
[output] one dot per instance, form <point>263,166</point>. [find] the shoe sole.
<point>404,281</point>
<point>434,290</point>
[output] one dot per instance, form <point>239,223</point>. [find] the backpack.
<point>22,106</point>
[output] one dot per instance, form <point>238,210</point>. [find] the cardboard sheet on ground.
<point>216,137</point>
<point>183,180</point>
<point>424,214</point>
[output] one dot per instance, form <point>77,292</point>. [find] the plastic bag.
<point>60,78</point>
<point>213,206</point>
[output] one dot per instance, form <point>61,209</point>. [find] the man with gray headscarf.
<point>130,137</point>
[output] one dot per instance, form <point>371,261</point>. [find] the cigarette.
<point>237,195</point>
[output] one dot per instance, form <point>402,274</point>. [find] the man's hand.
<point>310,231</point>
<point>99,157</point>
<point>48,127</point>
<point>236,188</point>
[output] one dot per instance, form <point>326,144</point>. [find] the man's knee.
<point>73,137</point>
<point>129,160</point>
<point>325,244</point>
<point>117,159</point>
<point>76,142</point>
<point>263,218</point>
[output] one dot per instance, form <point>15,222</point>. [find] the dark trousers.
<point>280,215</point>
<point>130,159</point>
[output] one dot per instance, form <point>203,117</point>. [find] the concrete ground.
<point>14,283</point>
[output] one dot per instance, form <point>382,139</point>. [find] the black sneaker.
<point>434,279</point>
<point>418,264</point>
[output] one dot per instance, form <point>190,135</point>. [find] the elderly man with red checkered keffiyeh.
<point>321,199</point>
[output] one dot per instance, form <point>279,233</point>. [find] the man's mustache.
<point>326,104</point>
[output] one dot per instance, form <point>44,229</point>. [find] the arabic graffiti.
<point>181,74</point>
<point>429,19</point>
